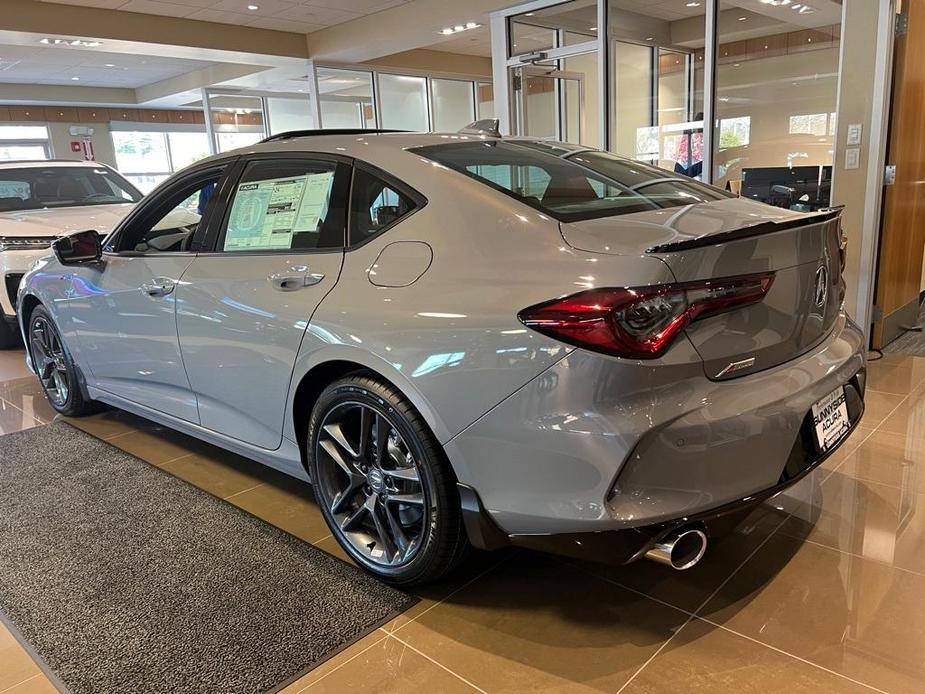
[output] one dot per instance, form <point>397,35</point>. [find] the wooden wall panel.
<point>61,114</point>
<point>902,234</point>
<point>27,113</point>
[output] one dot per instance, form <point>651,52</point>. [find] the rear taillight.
<point>641,322</point>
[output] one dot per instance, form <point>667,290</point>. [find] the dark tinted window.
<point>33,188</point>
<point>375,205</point>
<point>281,205</point>
<point>566,185</point>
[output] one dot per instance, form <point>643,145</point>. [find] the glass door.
<point>548,103</point>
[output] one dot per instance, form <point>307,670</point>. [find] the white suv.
<point>42,200</point>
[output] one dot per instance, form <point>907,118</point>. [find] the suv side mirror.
<point>79,248</point>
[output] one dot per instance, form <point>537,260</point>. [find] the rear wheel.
<point>55,368</point>
<point>384,488</point>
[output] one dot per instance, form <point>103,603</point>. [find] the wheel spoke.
<point>381,434</point>
<point>366,423</point>
<point>336,432</point>
<point>409,499</point>
<point>382,529</point>
<point>354,521</point>
<point>406,474</point>
<point>334,452</point>
<point>397,532</point>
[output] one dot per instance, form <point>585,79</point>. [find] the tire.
<point>55,367</point>
<point>389,497</point>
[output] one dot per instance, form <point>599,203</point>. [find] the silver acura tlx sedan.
<point>467,340</point>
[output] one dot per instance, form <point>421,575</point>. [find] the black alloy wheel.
<point>384,486</point>
<point>50,361</point>
<point>54,367</point>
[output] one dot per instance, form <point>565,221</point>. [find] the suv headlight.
<point>24,243</point>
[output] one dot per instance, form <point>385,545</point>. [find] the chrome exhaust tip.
<point>680,550</point>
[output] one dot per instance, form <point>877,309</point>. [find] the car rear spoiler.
<point>808,219</point>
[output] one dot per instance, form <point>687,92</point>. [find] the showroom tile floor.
<point>820,590</point>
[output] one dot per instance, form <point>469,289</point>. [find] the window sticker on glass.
<point>267,214</point>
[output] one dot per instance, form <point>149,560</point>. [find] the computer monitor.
<point>799,187</point>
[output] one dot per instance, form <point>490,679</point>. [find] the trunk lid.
<point>731,238</point>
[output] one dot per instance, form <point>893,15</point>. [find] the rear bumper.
<point>596,445</point>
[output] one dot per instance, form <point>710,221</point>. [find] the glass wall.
<point>656,92</point>
<point>403,102</point>
<point>147,157</point>
<point>345,98</point>
<point>776,84</point>
<point>453,106</point>
<point>371,99</point>
<point>24,142</point>
<point>288,113</point>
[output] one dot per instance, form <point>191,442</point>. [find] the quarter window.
<point>285,205</point>
<point>374,206</point>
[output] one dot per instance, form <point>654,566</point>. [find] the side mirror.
<point>79,248</point>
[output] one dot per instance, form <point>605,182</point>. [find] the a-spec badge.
<point>736,366</point>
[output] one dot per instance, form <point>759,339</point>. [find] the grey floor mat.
<point>123,578</point>
<point>910,342</point>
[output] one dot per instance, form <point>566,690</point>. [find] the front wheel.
<point>55,368</point>
<point>383,485</point>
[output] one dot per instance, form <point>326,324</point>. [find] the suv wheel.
<point>384,487</point>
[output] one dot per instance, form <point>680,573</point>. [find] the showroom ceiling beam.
<point>42,94</point>
<point>416,24</point>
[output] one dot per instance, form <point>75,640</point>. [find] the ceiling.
<point>59,65</point>
<point>300,16</point>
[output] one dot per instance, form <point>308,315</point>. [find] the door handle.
<point>160,286</point>
<point>297,277</point>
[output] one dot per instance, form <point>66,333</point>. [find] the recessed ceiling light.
<point>742,19</point>
<point>458,28</point>
<point>529,14</point>
<point>693,4</point>
<point>253,7</point>
<point>650,38</point>
<point>75,79</point>
<point>108,65</point>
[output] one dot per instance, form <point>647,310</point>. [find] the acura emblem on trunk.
<point>822,286</point>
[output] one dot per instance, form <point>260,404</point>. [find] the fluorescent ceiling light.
<point>252,8</point>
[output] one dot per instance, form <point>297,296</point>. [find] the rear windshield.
<point>570,185</point>
<point>38,187</point>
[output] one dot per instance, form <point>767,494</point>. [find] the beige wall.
<point>102,142</point>
<point>861,219</point>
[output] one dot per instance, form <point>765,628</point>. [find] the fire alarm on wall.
<point>75,146</point>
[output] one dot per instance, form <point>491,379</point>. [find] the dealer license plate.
<point>830,417</point>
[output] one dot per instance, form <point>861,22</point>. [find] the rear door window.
<point>283,205</point>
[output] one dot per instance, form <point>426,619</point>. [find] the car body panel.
<point>127,339</point>
<point>240,335</point>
